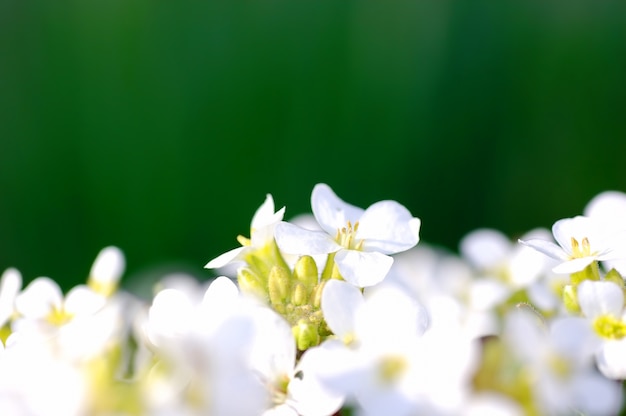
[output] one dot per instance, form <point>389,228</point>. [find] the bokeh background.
<point>160,126</point>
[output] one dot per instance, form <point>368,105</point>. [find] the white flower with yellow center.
<point>43,309</point>
<point>602,303</point>
<point>382,357</point>
<point>556,366</point>
<point>359,241</point>
<point>581,241</point>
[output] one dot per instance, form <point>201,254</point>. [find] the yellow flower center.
<point>346,237</point>
<point>58,316</point>
<point>609,327</point>
<point>582,249</point>
<point>390,368</point>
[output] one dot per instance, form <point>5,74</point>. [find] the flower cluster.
<point>335,313</point>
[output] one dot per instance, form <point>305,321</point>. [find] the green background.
<point>159,126</point>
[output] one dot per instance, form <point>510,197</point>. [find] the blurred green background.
<point>160,126</point>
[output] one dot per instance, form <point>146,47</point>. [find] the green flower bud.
<point>570,299</point>
<point>278,285</point>
<point>306,335</point>
<point>614,276</point>
<point>305,271</point>
<point>316,296</point>
<point>300,295</point>
<point>250,282</point>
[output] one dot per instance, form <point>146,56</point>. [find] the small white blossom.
<point>581,241</point>
<point>361,240</point>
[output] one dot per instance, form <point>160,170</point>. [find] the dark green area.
<point>160,126</point>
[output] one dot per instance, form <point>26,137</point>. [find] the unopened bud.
<point>299,296</point>
<point>305,271</point>
<point>250,282</point>
<point>570,299</point>
<point>278,285</point>
<point>614,276</point>
<point>306,335</point>
<point>316,296</point>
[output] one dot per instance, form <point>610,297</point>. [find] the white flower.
<point>202,354</point>
<point>559,365</point>
<point>295,388</point>
<point>261,234</point>
<point>361,240</point>
<point>581,241</point>
<point>385,360</point>
<point>78,325</point>
<point>602,303</point>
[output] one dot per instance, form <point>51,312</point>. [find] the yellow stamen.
<point>609,327</point>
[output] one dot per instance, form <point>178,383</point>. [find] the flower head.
<point>581,241</point>
<point>361,240</point>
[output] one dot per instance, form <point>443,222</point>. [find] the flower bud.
<point>299,296</point>
<point>305,334</point>
<point>278,285</point>
<point>305,271</point>
<point>250,282</point>
<point>570,299</point>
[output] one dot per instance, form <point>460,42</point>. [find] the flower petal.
<point>546,247</point>
<point>388,227</point>
<point>574,265</point>
<point>109,266</point>
<point>330,211</point>
<point>224,259</point>
<point>10,285</point>
<point>81,300</point>
<point>297,240</point>
<point>340,303</point>
<point>362,268</point>
<point>598,298</point>
<point>265,215</point>
<point>485,248</point>
<point>38,298</point>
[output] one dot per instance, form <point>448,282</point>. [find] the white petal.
<point>485,248</point>
<point>81,300</point>
<point>340,303</point>
<point>224,259</point>
<point>598,298</point>
<point>362,268</point>
<point>265,215</point>
<point>108,266</point>
<point>10,285</point>
<point>546,247</point>
<point>596,395</point>
<point>578,228</point>
<point>306,392</point>
<point>297,240</point>
<point>330,211</point>
<point>169,316</point>
<point>608,206</point>
<point>574,265</point>
<point>389,319</point>
<point>388,227</point>
<point>274,348</point>
<point>220,299</point>
<point>38,298</point>
<point>612,359</point>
